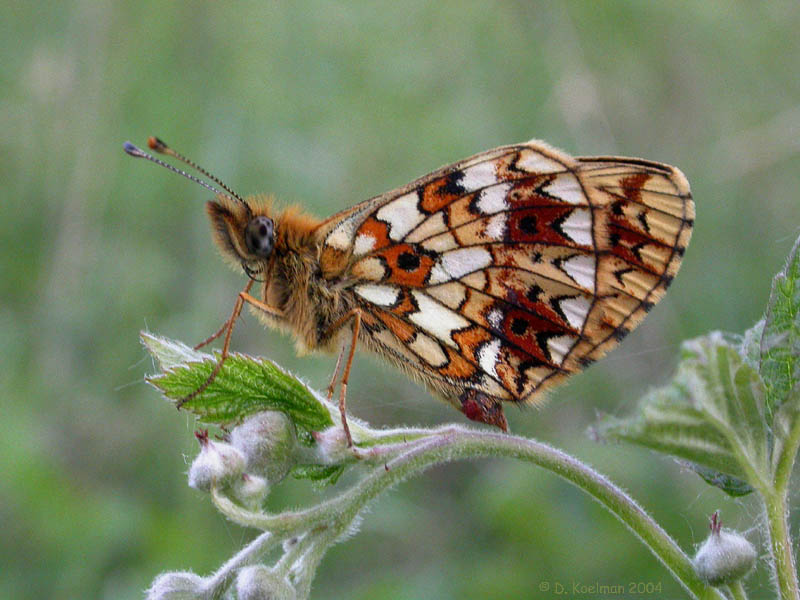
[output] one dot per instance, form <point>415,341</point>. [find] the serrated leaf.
<point>169,353</point>
<point>711,414</point>
<point>780,341</point>
<point>667,423</point>
<point>245,385</point>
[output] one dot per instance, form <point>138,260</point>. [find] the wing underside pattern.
<point>496,277</point>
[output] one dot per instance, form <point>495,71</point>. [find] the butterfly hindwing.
<point>495,277</point>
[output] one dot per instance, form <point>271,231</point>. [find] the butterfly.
<point>488,280</point>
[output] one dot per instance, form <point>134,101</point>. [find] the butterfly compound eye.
<point>260,236</point>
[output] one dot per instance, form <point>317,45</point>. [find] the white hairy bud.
<point>218,464</point>
<point>180,585</point>
<point>251,490</point>
<point>331,446</point>
<point>725,556</point>
<point>269,443</point>
<point>258,582</point>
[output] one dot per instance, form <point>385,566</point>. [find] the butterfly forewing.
<point>507,271</point>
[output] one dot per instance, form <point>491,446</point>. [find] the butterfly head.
<point>245,232</point>
<point>248,231</point>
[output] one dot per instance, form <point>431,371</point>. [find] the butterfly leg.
<point>221,330</point>
<point>354,314</point>
<point>227,327</point>
<point>332,384</point>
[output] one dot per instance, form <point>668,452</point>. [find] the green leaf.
<point>730,485</point>
<point>711,414</point>
<point>321,474</point>
<point>780,341</point>
<point>245,385</point>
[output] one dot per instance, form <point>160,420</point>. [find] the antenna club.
<point>131,149</point>
<point>156,144</point>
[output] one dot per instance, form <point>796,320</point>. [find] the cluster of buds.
<point>256,454</point>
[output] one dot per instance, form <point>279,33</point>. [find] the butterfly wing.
<point>497,276</point>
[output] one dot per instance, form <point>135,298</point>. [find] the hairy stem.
<point>246,556</point>
<point>454,443</point>
<point>788,455</point>
<point>780,544</point>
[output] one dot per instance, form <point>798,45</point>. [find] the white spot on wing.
<point>559,346</point>
<point>382,295</point>
<point>496,227</point>
<point>581,268</point>
<point>340,237</point>
<point>363,244</point>
<point>494,199</point>
<point>456,263</point>
<point>495,318</point>
<point>565,187</point>
<point>533,162</point>
<point>487,356</point>
<point>436,319</point>
<point>575,309</point>
<point>401,214</point>
<point>479,176</point>
<point>578,226</point>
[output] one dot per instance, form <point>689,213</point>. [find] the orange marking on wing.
<point>378,230</point>
<point>404,331</point>
<point>524,193</point>
<point>435,195</point>
<point>538,225</point>
<point>458,367</point>
<point>626,243</point>
<point>633,184</point>
<point>470,339</point>
<point>405,306</point>
<point>521,328</point>
<point>408,266</point>
<point>526,296</point>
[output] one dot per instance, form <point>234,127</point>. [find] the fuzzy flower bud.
<point>725,556</point>
<point>331,446</point>
<point>251,490</point>
<point>180,585</point>
<point>217,464</point>
<point>258,582</point>
<point>269,444</point>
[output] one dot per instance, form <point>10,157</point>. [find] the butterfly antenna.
<point>139,153</point>
<point>161,147</point>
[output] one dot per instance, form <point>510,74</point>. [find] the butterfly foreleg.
<point>332,384</point>
<point>227,323</point>
<point>227,327</point>
<point>355,315</point>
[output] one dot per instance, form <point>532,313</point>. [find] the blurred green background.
<point>327,104</point>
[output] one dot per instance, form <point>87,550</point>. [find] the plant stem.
<point>737,590</point>
<point>453,443</point>
<point>246,556</point>
<point>780,543</point>
<point>788,454</point>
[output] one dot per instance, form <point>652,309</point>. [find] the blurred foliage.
<point>327,104</point>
